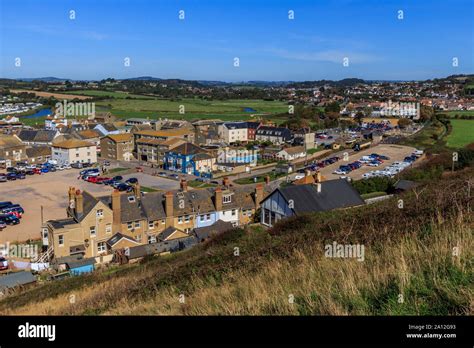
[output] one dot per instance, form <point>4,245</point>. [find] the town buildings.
<point>74,151</point>
<point>117,147</point>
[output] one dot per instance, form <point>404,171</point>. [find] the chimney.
<point>318,187</point>
<point>71,194</point>
<point>225,181</point>
<point>267,179</point>
<point>116,211</point>
<point>258,195</point>
<point>169,209</point>
<point>218,199</point>
<point>136,190</point>
<point>184,185</point>
<point>317,177</point>
<point>79,202</point>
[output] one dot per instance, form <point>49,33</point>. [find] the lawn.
<point>260,178</point>
<point>117,170</point>
<point>200,184</point>
<point>461,134</point>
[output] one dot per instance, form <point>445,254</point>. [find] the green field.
<point>461,134</point>
<point>111,94</point>
<point>227,110</point>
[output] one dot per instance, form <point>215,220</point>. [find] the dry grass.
<point>58,96</point>
<point>318,285</point>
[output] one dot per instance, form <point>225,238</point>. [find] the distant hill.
<point>144,78</point>
<point>43,79</point>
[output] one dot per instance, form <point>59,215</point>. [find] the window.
<point>108,228</point>
<point>151,239</point>
<point>151,225</point>
<point>131,199</point>
<point>101,247</point>
<point>99,213</point>
<point>180,219</point>
<point>187,230</point>
<point>202,218</point>
<point>137,224</point>
<point>77,155</point>
<point>187,218</point>
<point>227,199</point>
<point>92,231</point>
<point>61,240</point>
<point>162,222</point>
<point>88,154</point>
<point>208,216</point>
<point>234,212</point>
<point>129,225</point>
<point>138,238</point>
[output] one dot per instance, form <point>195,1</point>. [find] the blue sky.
<point>269,46</point>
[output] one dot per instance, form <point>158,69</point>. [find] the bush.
<point>377,184</point>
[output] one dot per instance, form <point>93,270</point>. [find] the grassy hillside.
<point>462,133</point>
<point>408,252</point>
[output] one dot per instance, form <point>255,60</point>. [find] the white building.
<point>291,153</point>
<point>74,151</point>
<point>233,132</point>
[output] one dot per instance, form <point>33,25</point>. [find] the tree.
<point>359,117</point>
<point>404,122</point>
<point>333,107</point>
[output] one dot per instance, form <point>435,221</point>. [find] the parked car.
<point>174,176</point>
<point>14,207</point>
<point>9,219</point>
<point>106,163</point>
<point>11,176</point>
<point>3,178</point>
<point>5,204</point>
<point>162,174</point>
<point>76,165</point>
<point>3,263</point>
<point>124,187</point>
<point>139,169</point>
<point>131,181</point>
<point>92,179</point>
<point>20,176</point>
<point>117,178</point>
<point>101,180</point>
